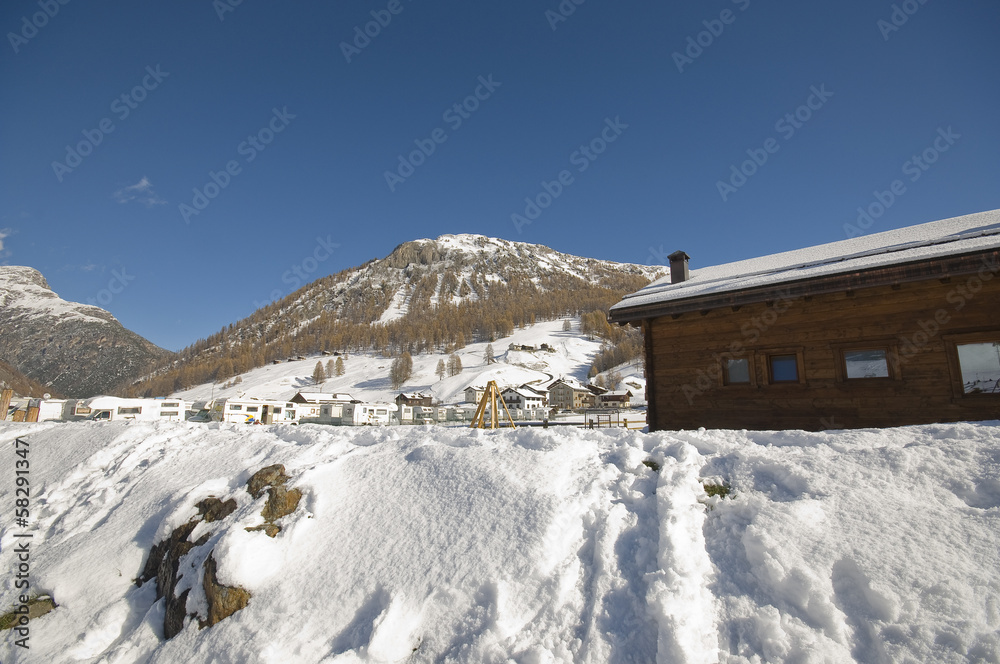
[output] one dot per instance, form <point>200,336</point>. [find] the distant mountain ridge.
<point>76,349</point>
<point>425,295</point>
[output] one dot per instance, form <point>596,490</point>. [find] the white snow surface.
<point>24,290</point>
<point>428,544</point>
<point>948,237</point>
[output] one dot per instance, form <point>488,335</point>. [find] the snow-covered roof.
<point>937,239</point>
<point>322,397</point>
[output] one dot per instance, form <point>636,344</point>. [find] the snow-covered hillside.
<point>367,375</point>
<point>557,545</point>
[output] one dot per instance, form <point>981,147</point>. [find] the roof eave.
<point>920,270</point>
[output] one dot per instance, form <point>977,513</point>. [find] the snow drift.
<point>429,544</point>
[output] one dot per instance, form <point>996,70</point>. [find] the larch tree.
<point>318,374</point>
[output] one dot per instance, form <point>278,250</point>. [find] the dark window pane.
<point>866,364</point>
<point>784,368</point>
<point>737,371</point>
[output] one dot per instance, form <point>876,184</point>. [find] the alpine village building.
<point>895,328</point>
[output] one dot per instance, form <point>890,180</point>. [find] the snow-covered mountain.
<point>452,269</point>
<point>77,349</point>
<point>427,296</point>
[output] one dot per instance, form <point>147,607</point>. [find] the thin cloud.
<point>4,234</point>
<point>141,191</point>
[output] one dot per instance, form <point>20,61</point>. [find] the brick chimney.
<point>678,267</point>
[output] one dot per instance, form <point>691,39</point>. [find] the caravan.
<point>248,410</point>
<point>360,413</point>
<point>111,409</point>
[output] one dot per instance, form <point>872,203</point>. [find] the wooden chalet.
<point>895,328</point>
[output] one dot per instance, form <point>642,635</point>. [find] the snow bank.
<point>429,544</point>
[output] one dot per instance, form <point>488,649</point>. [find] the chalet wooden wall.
<point>684,355</point>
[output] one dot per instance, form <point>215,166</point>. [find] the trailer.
<point>112,409</point>
<point>55,409</point>
<point>361,413</point>
<point>248,410</point>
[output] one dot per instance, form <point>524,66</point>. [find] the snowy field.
<point>557,545</point>
<point>366,375</point>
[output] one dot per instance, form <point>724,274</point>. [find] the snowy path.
<point>558,545</point>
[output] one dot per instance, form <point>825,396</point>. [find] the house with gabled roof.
<point>894,328</point>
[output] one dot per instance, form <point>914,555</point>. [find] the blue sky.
<point>626,123</point>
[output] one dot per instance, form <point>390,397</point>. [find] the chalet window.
<point>783,368</point>
<point>866,363</point>
<point>980,367</point>
<point>736,371</point>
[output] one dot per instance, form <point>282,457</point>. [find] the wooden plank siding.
<point>917,322</point>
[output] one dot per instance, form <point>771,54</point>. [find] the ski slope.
<point>426,544</point>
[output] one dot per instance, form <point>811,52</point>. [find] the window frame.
<point>765,361</point>
<point>891,360</point>
<point>952,342</point>
<point>751,359</point>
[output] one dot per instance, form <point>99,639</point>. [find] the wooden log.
<point>18,416</point>
<point>32,414</point>
<point>5,397</point>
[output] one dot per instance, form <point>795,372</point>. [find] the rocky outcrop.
<point>165,557</point>
<point>280,501</point>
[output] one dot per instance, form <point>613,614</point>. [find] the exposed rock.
<point>37,607</point>
<point>214,509</point>
<point>223,601</point>
<point>265,477</point>
<point>280,501</point>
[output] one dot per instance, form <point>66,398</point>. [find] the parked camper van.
<point>247,410</point>
<point>111,409</point>
<point>368,413</point>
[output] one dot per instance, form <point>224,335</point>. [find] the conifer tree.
<point>339,366</point>
<point>440,371</point>
<point>318,374</point>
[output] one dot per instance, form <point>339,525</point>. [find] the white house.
<point>524,397</point>
<point>111,409</point>
<point>474,394</point>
